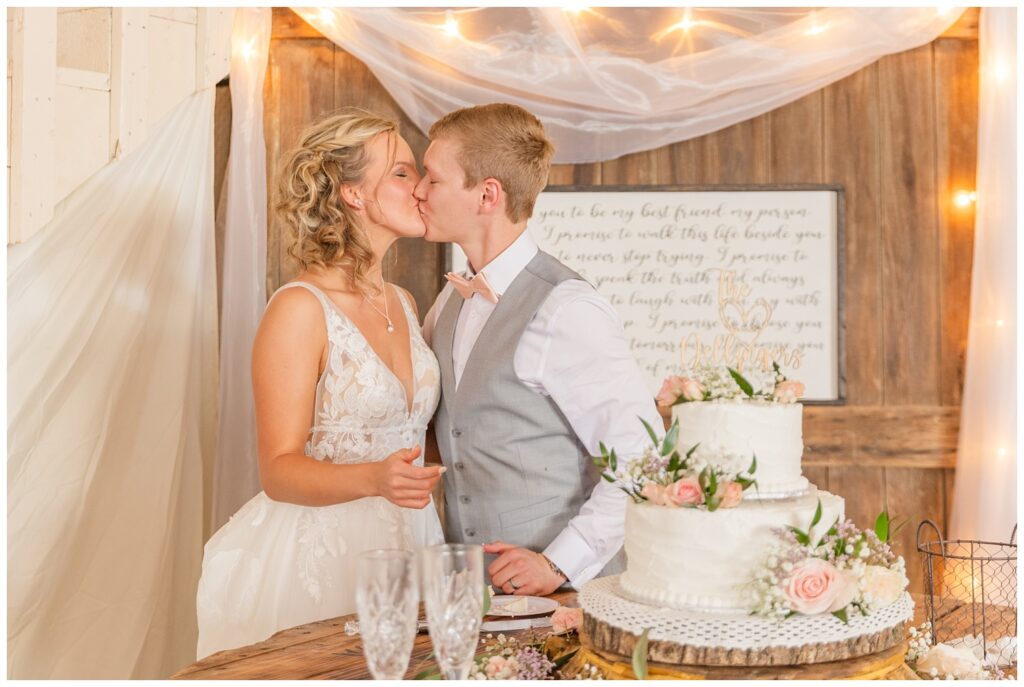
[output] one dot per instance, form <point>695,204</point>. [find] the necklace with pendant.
<point>383,313</point>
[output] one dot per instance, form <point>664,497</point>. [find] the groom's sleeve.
<point>589,372</point>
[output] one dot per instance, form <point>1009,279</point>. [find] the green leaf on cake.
<point>607,477</point>
<point>640,656</point>
<point>487,599</point>
<point>428,674</point>
<point>613,461</point>
<point>817,516</point>
<point>674,463</point>
<point>882,526</point>
<point>841,614</point>
<point>650,431</point>
<point>775,368</point>
<point>753,465</point>
<point>800,535</point>
<point>742,382</point>
<point>669,444</point>
<point>692,449</point>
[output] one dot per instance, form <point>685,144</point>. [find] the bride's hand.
<point>405,484</point>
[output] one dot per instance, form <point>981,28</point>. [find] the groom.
<point>535,367</point>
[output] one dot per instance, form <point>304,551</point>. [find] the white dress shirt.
<point>574,351</point>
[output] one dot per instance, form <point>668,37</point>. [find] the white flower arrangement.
<point>953,661</point>
<point>846,570</point>
<point>665,477</point>
<point>727,384</point>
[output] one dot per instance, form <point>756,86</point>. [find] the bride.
<point>344,386</point>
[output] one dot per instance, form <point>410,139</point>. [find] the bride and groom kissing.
<point>521,366</point>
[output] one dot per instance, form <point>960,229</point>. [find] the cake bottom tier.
<point>612,623</point>
<point>692,559</point>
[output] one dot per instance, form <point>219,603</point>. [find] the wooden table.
<point>316,651</point>
<point>322,651</point>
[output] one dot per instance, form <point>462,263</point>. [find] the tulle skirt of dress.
<point>276,565</point>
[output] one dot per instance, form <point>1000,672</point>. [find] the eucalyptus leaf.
<point>882,526</point>
<point>801,536</point>
<point>712,503</point>
<point>428,674</point>
<point>487,598</point>
<point>607,477</point>
<point>817,516</point>
<point>650,431</point>
<point>753,465</point>
<point>775,367</point>
<point>640,656</point>
<point>614,461</point>
<point>692,449</point>
<point>742,382</point>
<point>841,614</point>
<point>669,444</point>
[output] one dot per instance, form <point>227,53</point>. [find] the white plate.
<point>535,605</point>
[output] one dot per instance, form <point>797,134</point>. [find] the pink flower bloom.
<point>686,492</point>
<point>692,390</point>
<point>500,668</point>
<point>671,390</point>
<point>656,494</point>
<point>817,586</point>
<point>565,619</point>
<point>788,391</point>
<point>731,494</point>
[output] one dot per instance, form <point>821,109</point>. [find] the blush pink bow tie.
<point>467,287</point>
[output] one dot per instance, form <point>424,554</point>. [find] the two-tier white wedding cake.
<point>726,540</point>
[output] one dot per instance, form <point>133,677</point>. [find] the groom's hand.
<point>520,571</point>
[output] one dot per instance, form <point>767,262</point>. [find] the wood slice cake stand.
<point>694,645</point>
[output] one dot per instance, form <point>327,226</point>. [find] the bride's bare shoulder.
<point>294,310</point>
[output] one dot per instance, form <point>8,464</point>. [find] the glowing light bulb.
<point>1000,72</point>
<point>816,29</point>
<point>451,25</point>
<point>1001,452</point>
<point>327,16</point>
<point>248,51</point>
<point>963,199</point>
<point>999,323</point>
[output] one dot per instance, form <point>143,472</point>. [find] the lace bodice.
<point>361,412</point>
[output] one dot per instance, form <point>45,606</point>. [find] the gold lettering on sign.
<point>745,324</point>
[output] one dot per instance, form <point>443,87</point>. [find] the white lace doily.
<point>603,600</point>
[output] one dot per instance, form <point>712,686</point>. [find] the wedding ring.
<point>513,584</point>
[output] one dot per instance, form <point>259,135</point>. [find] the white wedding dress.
<point>275,565</point>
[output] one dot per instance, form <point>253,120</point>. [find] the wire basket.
<point>972,593</point>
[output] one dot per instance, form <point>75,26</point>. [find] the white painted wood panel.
<point>85,85</point>
<point>170,80</point>
<point>82,145</point>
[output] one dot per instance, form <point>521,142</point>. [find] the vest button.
<point>456,433</point>
<point>460,466</point>
<point>465,499</point>
<point>470,532</point>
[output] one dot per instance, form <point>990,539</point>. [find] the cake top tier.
<point>729,384</point>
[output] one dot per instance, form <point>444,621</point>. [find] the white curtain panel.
<point>111,360</point>
<point>985,493</point>
<point>236,475</point>
<point>612,81</point>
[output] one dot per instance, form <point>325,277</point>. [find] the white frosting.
<point>692,559</point>
<point>741,429</point>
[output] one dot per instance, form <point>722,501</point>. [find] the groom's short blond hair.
<point>503,142</point>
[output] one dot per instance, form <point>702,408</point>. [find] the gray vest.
<point>516,471</point>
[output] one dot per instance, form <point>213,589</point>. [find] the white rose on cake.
<point>943,659</point>
<point>882,586</point>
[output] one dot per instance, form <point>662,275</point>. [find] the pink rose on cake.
<point>788,391</point>
<point>675,388</point>
<point>730,493</point>
<point>565,619</point>
<point>656,494</point>
<point>816,586</point>
<point>686,492</point>
<point>671,390</point>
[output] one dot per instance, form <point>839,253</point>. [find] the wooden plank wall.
<point>899,136</point>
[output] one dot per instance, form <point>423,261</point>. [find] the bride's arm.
<point>290,345</point>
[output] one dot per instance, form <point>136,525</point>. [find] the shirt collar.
<point>504,268</point>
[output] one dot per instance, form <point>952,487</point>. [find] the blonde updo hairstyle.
<point>330,154</point>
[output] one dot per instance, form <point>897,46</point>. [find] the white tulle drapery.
<point>985,497</point>
<point>111,370</point>
<point>612,81</point>
<point>236,477</point>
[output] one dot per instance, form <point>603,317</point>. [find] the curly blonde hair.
<point>326,232</point>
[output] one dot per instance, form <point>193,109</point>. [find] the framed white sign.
<point>737,276</point>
